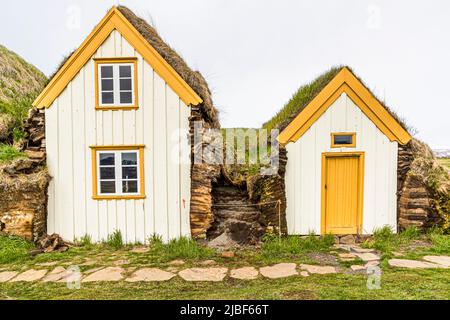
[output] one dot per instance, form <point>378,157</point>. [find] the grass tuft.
<point>9,153</point>
<point>182,248</point>
<point>14,249</point>
<point>274,247</point>
<point>115,240</point>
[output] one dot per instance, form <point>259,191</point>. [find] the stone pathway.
<point>208,272</point>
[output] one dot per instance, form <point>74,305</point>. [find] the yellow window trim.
<point>99,61</point>
<point>337,134</point>
<point>345,82</point>
<point>95,149</point>
<point>115,20</point>
<point>361,157</point>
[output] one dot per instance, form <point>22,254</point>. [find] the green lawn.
<point>395,283</point>
<point>445,162</point>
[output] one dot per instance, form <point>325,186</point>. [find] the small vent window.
<point>343,140</point>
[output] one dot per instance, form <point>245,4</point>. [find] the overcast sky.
<point>256,53</point>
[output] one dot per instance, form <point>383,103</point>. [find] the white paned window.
<point>118,173</point>
<point>116,84</point>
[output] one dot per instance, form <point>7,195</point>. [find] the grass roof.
<point>306,93</point>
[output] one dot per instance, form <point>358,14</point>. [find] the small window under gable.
<point>116,84</point>
<point>343,140</point>
<point>118,172</point>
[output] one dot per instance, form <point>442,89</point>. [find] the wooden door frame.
<point>361,157</point>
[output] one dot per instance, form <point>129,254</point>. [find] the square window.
<point>108,85</point>
<point>108,173</point>
<point>107,72</point>
<point>129,173</point>
<point>107,159</point>
<point>107,97</point>
<point>129,187</point>
<point>107,187</point>
<point>129,159</point>
<point>119,172</point>
<point>125,71</point>
<point>126,97</point>
<point>116,85</point>
<point>125,84</point>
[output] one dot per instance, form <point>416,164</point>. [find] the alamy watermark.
<point>227,147</point>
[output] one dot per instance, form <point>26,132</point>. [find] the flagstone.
<point>412,264</point>
<point>57,274</point>
<point>108,274</point>
<point>304,274</point>
<point>246,273</point>
<point>30,276</point>
<point>204,274</point>
<point>5,276</point>
<point>357,268</point>
<point>281,270</point>
<point>176,263</point>
<point>442,260</point>
<point>318,269</point>
<point>47,264</point>
<point>368,256</point>
<point>150,274</point>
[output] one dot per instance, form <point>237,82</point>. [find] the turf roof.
<point>306,93</point>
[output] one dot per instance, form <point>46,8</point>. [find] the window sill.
<point>116,108</point>
<point>110,198</point>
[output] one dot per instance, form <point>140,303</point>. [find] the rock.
<point>441,260</point>
<point>176,263</point>
<point>357,268</point>
<point>247,273</point>
<point>281,270</point>
<point>304,274</point>
<point>318,269</point>
<point>207,263</point>
<point>347,256</point>
<point>228,254</point>
<point>373,263</point>
<point>150,274</point>
<point>203,274</point>
<point>349,239</point>
<point>53,243</point>
<point>107,274</point>
<point>54,276</point>
<point>90,271</point>
<point>5,276</point>
<point>361,250</point>
<point>140,250</point>
<point>37,155</point>
<point>121,262</point>
<point>222,241</point>
<point>412,264</point>
<point>30,276</point>
<point>368,256</point>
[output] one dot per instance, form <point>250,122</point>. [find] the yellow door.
<point>342,192</point>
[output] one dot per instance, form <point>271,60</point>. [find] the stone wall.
<point>23,194</point>
<point>270,189</point>
<point>415,199</point>
<point>202,178</point>
<point>34,126</point>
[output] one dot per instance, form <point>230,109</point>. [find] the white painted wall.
<point>73,125</point>
<point>304,170</point>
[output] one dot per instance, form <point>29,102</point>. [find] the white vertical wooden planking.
<point>73,126</point>
<point>304,171</point>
